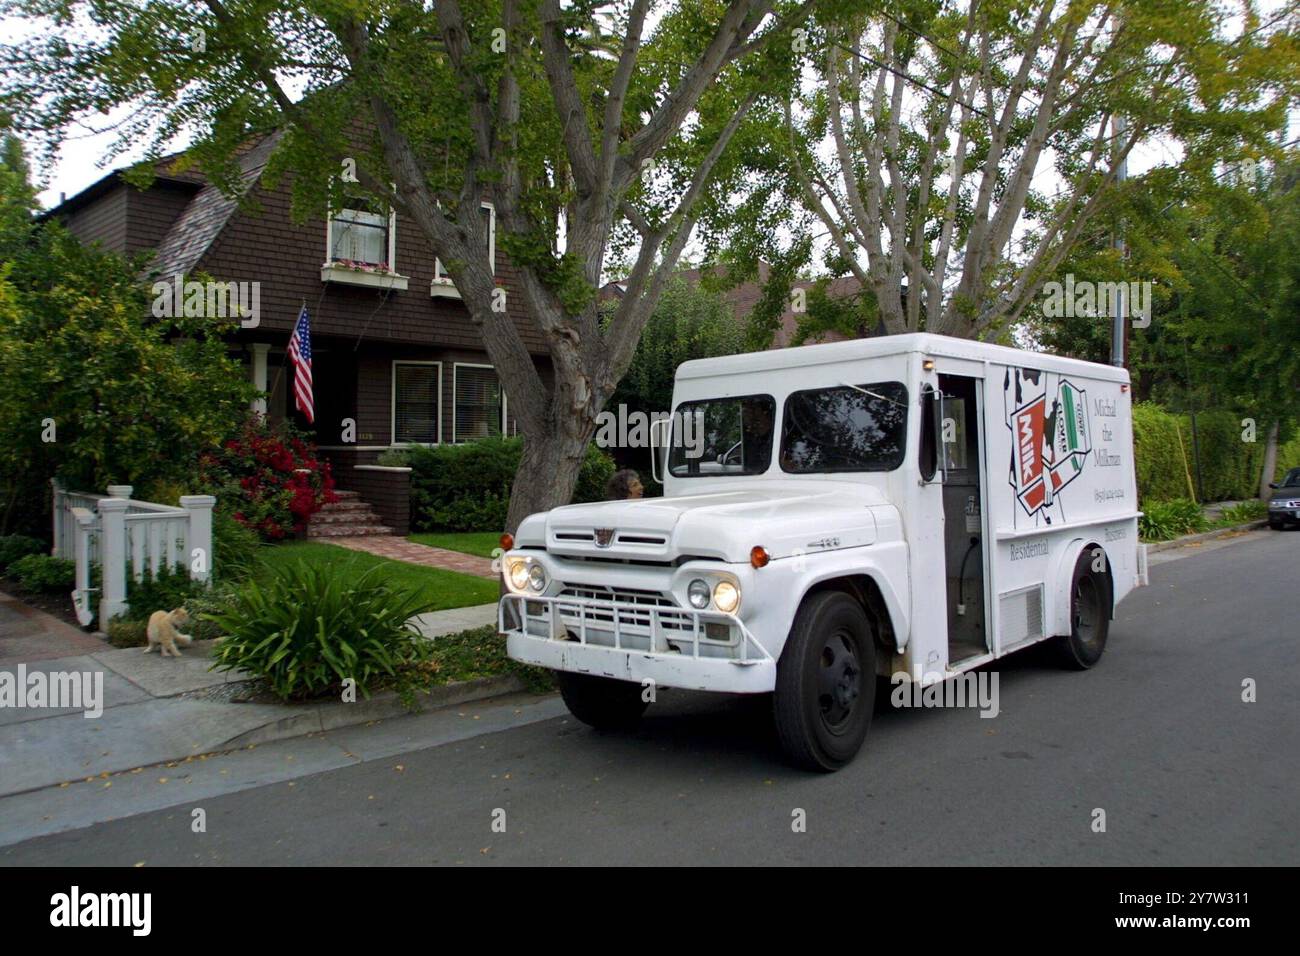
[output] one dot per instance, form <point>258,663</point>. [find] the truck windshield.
<point>722,436</point>
<point>845,428</point>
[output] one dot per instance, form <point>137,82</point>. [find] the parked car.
<point>1284,505</point>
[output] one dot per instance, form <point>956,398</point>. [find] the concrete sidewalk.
<point>27,634</point>
<point>162,711</point>
<point>438,623</point>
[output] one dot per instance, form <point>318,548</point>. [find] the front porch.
<point>375,397</point>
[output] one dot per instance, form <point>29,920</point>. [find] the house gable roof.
<point>198,227</point>
<point>166,170</point>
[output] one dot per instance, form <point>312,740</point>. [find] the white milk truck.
<point>909,505</point>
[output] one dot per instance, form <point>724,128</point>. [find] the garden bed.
<point>469,656</point>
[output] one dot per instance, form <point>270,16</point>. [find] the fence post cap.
<point>198,501</point>
<point>120,491</point>
<point>113,504</point>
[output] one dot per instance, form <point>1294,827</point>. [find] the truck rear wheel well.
<point>863,589</point>
<point>1098,551</point>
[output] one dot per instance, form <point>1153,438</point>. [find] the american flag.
<point>300,353</point>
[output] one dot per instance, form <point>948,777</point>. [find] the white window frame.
<point>505,407</point>
<point>392,408</point>
<point>442,284</point>
<point>333,271</point>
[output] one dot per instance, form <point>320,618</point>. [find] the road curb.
<point>317,718</point>
<point>1157,546</point>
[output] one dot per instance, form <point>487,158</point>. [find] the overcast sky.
<point>80,161</point>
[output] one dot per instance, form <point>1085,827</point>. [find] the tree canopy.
<point>595,128</point>
<point>949,155</point>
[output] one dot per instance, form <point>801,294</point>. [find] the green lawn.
<point>480,543</point>
<point>447,589</point>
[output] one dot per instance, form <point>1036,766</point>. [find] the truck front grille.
<point>629,596</point>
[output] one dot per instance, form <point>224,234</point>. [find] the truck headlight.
<point>726,596</point>
<point>698,594</point>
<point>537,577</point>
<point>517,573</point>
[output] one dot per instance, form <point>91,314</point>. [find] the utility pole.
<point>1119,325</point>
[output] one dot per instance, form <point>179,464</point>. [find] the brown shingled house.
<point>394,347</point>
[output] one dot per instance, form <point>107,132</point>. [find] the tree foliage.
<point>688,322</point>
<point>92,389</point>
<point>597,129</point>
<point>953,153</point>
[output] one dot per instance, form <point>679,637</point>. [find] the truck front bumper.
<point>669,646</point>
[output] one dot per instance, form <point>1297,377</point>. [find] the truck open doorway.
<point>963,516</point>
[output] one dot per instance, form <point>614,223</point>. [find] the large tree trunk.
<point>1270,463</point>
<point>548,473</point>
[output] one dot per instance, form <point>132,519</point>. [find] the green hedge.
<point>1288,456</point>
<point>467,487</point>
<point>1229,466</point>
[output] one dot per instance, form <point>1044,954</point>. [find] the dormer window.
<point>442,284</point>
<point>361,245</point>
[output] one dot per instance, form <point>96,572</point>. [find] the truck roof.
<point>924,343</point>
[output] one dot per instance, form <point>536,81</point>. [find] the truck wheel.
<point>826,683</point>
<point>601,702</point>
<point>1089,616</point>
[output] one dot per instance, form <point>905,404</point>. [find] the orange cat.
<point>162,632</point>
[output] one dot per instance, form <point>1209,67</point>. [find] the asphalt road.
<point>1157,736</point>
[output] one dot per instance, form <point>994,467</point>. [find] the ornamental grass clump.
<point>305,629</point>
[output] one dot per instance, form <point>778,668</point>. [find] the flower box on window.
<point>360,244</point>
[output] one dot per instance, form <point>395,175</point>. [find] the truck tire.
<point>601,702</point>
<point>826,683</point>
<point>1090,603</point>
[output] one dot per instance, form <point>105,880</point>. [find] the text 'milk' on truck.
<point>910,504</point>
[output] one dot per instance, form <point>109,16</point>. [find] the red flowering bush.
<point>270,476</point>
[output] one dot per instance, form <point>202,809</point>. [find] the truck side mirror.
<point>659,434</point>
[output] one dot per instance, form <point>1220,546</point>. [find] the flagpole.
<point>283,360</point>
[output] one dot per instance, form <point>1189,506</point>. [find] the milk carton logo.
<point>1050,438</point>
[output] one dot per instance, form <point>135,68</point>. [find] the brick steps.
<point>348,531</point>
<point>349,517</point>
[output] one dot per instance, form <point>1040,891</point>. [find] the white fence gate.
<point>122,536</point>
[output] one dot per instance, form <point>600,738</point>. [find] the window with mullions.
<point>441,281</point>
<point>845,428</point>
<point>417,390</point>
<point>479,403</point>
<point>362,234</point>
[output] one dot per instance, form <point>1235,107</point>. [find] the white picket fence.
<point>122,536</point>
